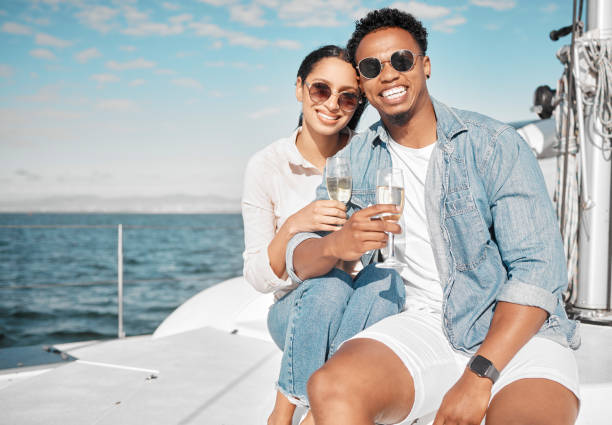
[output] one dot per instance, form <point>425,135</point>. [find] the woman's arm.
<point>264,255</point>
<point>259,226</point>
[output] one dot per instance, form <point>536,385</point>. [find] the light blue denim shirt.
<point>492,225</point>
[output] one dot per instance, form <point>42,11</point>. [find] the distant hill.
<point>133,204</point>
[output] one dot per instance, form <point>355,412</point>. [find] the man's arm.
<point>527,234</point>
<point>361,233</point>
<point>513,325</point>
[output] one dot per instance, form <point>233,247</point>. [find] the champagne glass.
<point>338,178</point>
<point>390,190</point>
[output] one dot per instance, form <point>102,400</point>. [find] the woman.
<point>307,321</point>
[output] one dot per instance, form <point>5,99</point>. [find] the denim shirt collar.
<point>448,125</point>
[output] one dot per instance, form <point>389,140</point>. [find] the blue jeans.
<point>310,322</point>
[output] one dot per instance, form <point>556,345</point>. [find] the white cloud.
<point>182,55</point>
<point>153,28</point>
<point>139,63</point>
<point>14,28</point>
<point>49,40</point>
<point>232,37</point>
<point>132,14</point>
<point>38,21</point>
<point>44,95</point>
<point>87,54</point>
<point>137,82</point>
<point>97,17</point>
<point>127,48</point>
<point>266,112</point>
<point>217,64</point>
<point>179,19</point>
<point>261,89</point>
<point>170,6</point>
<point>218,2</point>
<point>165,72</point>
<point>495,4</point>
<point>324,18</point>
<point>6,70</point>
<point>187,82</point>
<point>104,78</point>
<point>118,105</point>
<point>288,44</point>
<point>217,44</point>
<point>448,25</point>
<point>269,3</point>
<point>3,13</point>
<point>251,15</point>
<point>42,54</point>
<point>492,27</point>
<point>360,13</point>
<point>549,8</point>
<point>317,13</point>
<point>422,10</point>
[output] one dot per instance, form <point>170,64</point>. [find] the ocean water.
<point>59,284</point>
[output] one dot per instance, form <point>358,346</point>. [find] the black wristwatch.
<point>483,367</point>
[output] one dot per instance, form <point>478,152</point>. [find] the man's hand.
<point>466,402</point>
<point>363,232</point>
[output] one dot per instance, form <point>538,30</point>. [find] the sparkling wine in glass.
<point>338,179</point>
<point>390,190</point>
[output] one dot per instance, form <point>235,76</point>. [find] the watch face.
<point>480,365</point>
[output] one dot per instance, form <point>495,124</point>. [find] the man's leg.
<point>363,383</point>
<point>537,387</point>
<point>533,402</point>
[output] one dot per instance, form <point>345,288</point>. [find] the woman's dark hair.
<point>329,51</point>
<point>386,18</point>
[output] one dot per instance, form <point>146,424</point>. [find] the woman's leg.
<point>378,293</point>
<point>303,324</point>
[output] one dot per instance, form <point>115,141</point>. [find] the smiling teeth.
<point>327,117</point>
<point>394,93</point>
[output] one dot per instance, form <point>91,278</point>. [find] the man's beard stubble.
<point>399,119</point>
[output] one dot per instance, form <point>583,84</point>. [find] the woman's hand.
<point>466,402</point>
<point>318,216</point>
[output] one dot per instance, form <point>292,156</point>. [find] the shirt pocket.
<point>465,228</point>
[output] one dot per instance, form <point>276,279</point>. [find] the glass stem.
<point>392,246</point>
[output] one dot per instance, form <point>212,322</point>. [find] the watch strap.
<point>483,367</point>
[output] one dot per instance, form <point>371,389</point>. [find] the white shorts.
<point>417,338</point>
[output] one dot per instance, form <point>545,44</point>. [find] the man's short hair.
<point>386,18</point>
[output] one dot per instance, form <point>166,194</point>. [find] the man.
<point>484,329</point>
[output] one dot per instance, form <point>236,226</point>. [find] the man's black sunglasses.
<point>401,60</point>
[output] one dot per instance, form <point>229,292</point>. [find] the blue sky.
<point>150,98</point>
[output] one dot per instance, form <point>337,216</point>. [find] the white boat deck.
<point>204,376</point>
<point>220,371</point>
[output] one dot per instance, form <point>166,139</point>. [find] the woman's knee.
<point>384,285</point>
<point>331,291</point>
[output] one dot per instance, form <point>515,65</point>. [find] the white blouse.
<point>278,182</point>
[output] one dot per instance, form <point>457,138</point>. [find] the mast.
<point>593,298</point>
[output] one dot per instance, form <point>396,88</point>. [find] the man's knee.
<point>328,387</point>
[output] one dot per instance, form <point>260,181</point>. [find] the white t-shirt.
<point>413,246</point>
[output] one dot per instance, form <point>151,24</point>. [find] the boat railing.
<point>119,281</point>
